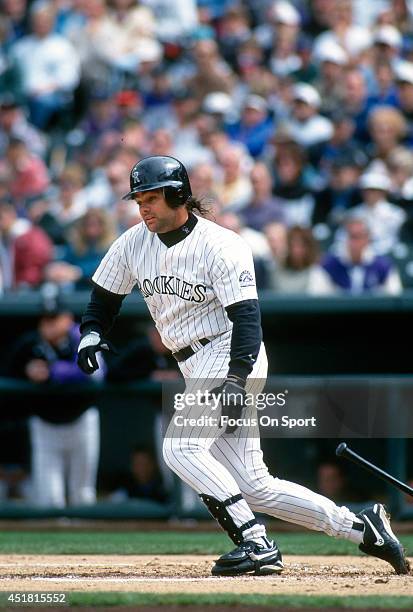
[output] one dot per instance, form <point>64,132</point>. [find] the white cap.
<point>256,102</point>
<point>151,51</point>
<point>373,179</point>
<point>217,102</point>
<point>286,13</point>
<point>404,72</point>
<point>329,51</point>
<point>388,35</point>
<point>306,93</point>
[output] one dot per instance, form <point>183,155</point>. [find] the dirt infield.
<point>309,575</point>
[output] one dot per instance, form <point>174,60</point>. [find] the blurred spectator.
<point>234,29</point>
<point>387,128</point>
<point>259,246</point>
<point>354,101</point>
<point>249,65</point>
<point>202,179</point>
<point>14,483</point>
<point>212,73</point>
<point>143,481</point>
<point>72,200</point>
<point>355,39</point>
<point>342,144</point>
<point>218,142</point>
<point>65,429</point>
<point>255,126</point>
<point>134,136</point>
<point>331,60</point>
<point>88,241</point>
<point>400,165</point>
<point>116,179</point>
<point>332,482</point>
<point>354,267</point>
<point>132,26</point>
<point>126,214</point>
<point>28,172</point>
<point>319,18</point>
<point>276,235</point>
<point>13,124</point>
<point>16,13</point>
<point>284,59</point>
<point>404,87</point>
<point>383,218</point>
<point>173,21</point>
<point>299,271</point>
<point>38,211</point>
<point>307,126</point>
<point>90,41</point>
<point>234,190</point>
<point>278,17</point>
<point>385,93</point>
<point>161,142</point>
<point>187,145</point>
<point>263,208</point>
<point>387,44</point>
<point>102,120</point>
<point>70,16</point>
<point>401,15</point>
<point>24,251</point>
<point>144,357</point>
<point>291,187</point>
<point>341,192</point>
<point>48,66</point>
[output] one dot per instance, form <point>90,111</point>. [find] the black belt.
<point>188,351</point>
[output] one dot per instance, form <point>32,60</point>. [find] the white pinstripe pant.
<point>66,453</point>
<point>223,465</point>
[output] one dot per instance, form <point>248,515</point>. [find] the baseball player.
<point>198,281</point>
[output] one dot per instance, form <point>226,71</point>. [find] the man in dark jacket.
<point>64,428</point>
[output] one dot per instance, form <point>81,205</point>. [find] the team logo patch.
<point>246,279</point>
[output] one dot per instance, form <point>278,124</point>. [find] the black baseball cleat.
<point>380,541</point>
<point>250,558</point>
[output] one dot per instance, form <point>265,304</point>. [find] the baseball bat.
<point>343,450</point>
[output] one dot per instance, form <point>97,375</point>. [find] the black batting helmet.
<point>161,172</point>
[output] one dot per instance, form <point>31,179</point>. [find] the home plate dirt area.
<point>306,575</point>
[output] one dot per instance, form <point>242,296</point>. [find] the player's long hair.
<point>201,207</point>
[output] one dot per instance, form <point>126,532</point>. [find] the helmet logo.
<point>135,175</point>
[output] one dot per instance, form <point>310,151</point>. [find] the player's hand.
<point>90,344</point>
<point>232,399</point>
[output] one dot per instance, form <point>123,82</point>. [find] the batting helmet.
<point>160,172</point>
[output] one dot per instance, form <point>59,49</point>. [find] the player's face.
<point>156,214</point>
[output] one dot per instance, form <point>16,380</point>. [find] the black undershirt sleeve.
<point>101,311</point>
<point>246,337</point>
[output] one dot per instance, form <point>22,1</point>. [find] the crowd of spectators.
<point>294,119</point>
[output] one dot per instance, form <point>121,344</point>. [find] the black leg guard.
<point>219,511</point>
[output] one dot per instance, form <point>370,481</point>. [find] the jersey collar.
<point>175,236</point>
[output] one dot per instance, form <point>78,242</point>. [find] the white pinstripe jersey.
<point>186,286</point>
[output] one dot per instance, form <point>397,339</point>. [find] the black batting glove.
<point>91,343</point>
<point>232,398</point>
